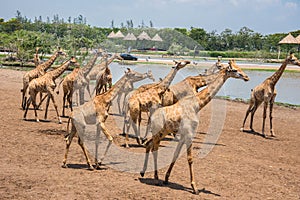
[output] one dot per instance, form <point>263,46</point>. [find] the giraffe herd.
<point>171,108</point>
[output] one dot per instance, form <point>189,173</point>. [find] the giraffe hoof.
<point>37,120</point>
<point>196,192</point>
<point>242,129</point>
<point>91,168</point>
<point>64,165</point>
<point>142,174</point>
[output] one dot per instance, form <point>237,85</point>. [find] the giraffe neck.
<point>165,83</point>
<point>49,62</point>
<point>138,78</point>
<point>108,61</point>
<point>87,68</point>
<point>202,80</point>
<point>276,76</point>
<point>57,72</point>
<point>206,95</point>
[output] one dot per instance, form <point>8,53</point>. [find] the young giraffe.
<point>128,87</point>
<point>76,81</point>
<point>143,101</point>
<point>266,93</point>
<point>37,72</point>
<point>104,81</point>
<point>95,112</point>
<point>46,84</point>
<point>36,58</point>
<point>95,70</point>
<point>68,88</point>
<point>182,117</point>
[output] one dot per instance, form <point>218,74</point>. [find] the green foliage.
<point>21,35</point>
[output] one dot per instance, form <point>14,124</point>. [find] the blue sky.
<point>263,16</point>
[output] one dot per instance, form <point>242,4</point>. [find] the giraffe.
<point>143,101</point>
<point>36,58</point>
<point>46,84</point>
<point>103,79</point>
<point>182,118</point>
<point>189,86</point>
<point>68,88</point>
<point>37,72</point>
<point>82,82</point>
<point>76,81</point>
<point>266,93</point>
<point>92,75</point>
<point>128,87</point>
<point>95,111</point>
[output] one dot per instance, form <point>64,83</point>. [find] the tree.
<point>199,35</point>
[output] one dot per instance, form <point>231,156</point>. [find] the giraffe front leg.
<point>190,161</point>
<point>68,139</point>
<point>47,105</point>
<point>35,108</point>
<point>97,139</point>
<point>264,119</point>
<point>175,157</point>
<point>109,137</point>
<point>271,116</point>
<point>149,145</point>
<point>55,106</point>
<point>26,107</point>
<point>156,142</point>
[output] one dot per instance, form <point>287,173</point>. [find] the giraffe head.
<point>181,64</point>
<point>292,59</point>
<point>73,62</point>
<point>150,75</point>
<point>117,56</point>
<point>232,70</point>
<point>61,52</point>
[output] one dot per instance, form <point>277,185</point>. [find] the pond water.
<point>288,87</point>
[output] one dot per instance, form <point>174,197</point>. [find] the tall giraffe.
<point>143,101</point>
<point>95,112</point>
<point>37,72</point>
<point>182,118</point>
<point>188,86</point>
<point>76,81</point>
<point>46,84</point>
<point>266,93</point>
<point>92,75</point>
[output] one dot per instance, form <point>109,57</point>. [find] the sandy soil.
<point>240,166</point>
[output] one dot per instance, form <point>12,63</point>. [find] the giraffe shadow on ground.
<point>53,131</point>
<point>41,120</point>
<point>259,134</point>
<point>174,186</point>
<point>84,166</point>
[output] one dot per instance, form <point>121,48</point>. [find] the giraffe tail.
<point>57,92</point>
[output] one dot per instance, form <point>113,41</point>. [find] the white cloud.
<point>291,5</point>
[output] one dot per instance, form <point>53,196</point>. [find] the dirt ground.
<point>240,166</point>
